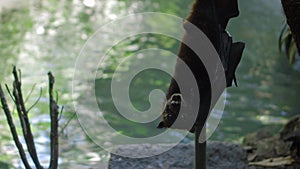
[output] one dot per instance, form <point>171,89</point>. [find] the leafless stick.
<point>23,115</point>
<point>61,111</point>
<point>29,94</point>
<point>37,100</point>
<point>13,129</point>
<point>8,90</point>
<point>54,125</point>
<point>66,124</point>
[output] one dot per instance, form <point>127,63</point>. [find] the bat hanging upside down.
<point>210,16</point>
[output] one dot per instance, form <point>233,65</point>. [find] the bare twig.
<point>66,124</point>
<point>29,94</point>
<point>23,115</point>
<point>9,92</point>
<point>37,100</point>
<point>54,125</point>
<point>13,129</point>
<point>19,103</point>
<point>60,113</point>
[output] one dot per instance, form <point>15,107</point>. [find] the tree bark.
<point>54,125</point>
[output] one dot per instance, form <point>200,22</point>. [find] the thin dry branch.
<point>18,100</point>
<point>66,124</point>
<point>54,125</point>
<point>29,94</point>
<point>13,129</point>
<point>37,100</point>
<point>9,92</point>
<point>24,120</point>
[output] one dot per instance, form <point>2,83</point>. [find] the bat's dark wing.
<point>230,55</point>
<point>234,59</point>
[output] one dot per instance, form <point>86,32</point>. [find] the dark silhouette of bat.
<point>172,105</point>
<point>212,18</point>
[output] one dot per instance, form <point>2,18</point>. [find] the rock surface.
<point>271,150</point>
<point>264,151</point>
<point>220,156</point>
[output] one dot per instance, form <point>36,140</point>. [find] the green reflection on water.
<point>48,35</point>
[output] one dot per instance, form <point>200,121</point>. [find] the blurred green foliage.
<point>13,27</point>
<point>287,43</point>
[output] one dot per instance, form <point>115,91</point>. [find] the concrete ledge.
<point>220,156</point>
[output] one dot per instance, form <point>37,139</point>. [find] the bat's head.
<point>171,111</point>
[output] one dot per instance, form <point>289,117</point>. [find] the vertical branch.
<point>200,148</point>
<point>13,129</point>
<point>54,125</point>
<point>24,120</point>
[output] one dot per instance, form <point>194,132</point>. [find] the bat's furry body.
<point>212,19</point>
